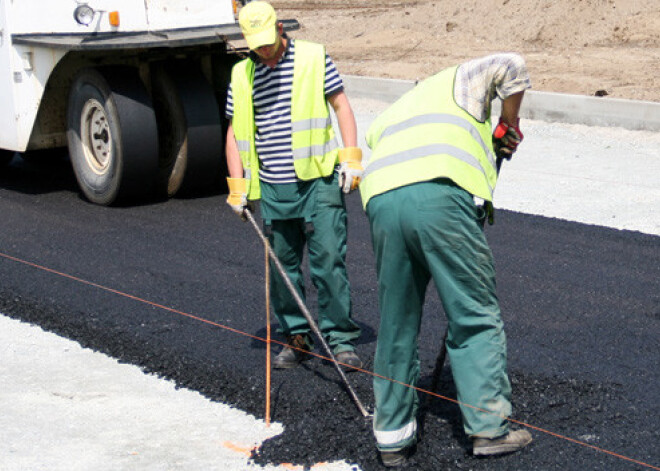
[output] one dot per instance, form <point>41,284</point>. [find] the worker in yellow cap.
<point>281,149</point>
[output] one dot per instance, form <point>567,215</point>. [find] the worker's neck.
<point>275,58</point>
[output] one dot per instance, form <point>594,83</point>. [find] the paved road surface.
<point>69,407</point>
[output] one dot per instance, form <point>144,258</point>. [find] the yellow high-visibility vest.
<point>313,139</point>
<point>425,135</point>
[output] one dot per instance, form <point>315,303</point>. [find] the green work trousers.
<point>427,231</point>
<point>326,248</point>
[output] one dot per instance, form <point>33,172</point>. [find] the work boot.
<point>394,459</point>
<point>292,357</point>
<point>513,441</point>
<point>349,359</point>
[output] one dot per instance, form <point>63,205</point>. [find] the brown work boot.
<point>291,357</point>
<point>394,459</point>
<point>513,441</point>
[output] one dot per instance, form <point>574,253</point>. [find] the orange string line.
<point>371,373</point>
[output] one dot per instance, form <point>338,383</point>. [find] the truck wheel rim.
<point>96,137</point>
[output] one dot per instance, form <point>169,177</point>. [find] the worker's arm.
<point>234,164</point>
<point>345,118</point>
<point>480,81</point>
<point>511,108</point>
<point>350,157</point>
<point>237,197</point>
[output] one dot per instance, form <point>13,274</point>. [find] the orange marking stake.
<point>267,339</point>
<point>242,449</point>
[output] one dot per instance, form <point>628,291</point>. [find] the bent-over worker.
<point>433,152</point>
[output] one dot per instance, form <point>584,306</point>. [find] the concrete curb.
<point>542,106</point>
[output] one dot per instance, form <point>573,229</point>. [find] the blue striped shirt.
<point>271,96</point>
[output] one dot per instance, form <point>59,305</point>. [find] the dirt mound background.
<point>571,46</point>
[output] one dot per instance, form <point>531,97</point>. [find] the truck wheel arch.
<point>6,156</point>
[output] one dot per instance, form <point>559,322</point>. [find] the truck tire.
<point>190,130</point>
<point>172,136</point>
<point>112,135</point>
<point>6,156</point>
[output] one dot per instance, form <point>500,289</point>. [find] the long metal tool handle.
<point>305,311</point>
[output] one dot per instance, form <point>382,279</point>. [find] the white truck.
<point>134,88</point>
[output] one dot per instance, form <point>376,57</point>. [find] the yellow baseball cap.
<point>258,24</point>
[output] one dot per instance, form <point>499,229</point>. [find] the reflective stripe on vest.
<point>314,125</point>
<point>243,146</point>
<point>426,135</point>
<point>437,118</point>
<point>313,141</point>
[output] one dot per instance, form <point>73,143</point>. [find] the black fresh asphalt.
<point>581,306</point>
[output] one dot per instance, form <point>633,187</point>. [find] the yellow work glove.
<point>237,198</point>
<point>350,168</point>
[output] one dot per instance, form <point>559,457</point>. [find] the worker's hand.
<point>506,138</point>
<point>237,198</point>
<point>350,168</point>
